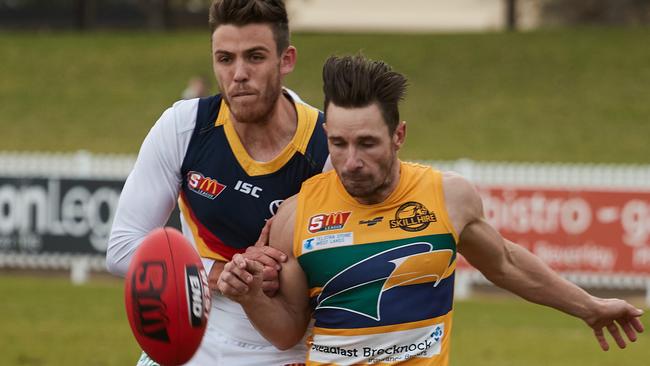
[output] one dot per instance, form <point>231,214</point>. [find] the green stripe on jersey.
<point>326,263</point>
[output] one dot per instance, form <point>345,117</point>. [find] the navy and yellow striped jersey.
<point>226,196</point>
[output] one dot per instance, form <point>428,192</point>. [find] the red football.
<point>167,297</point>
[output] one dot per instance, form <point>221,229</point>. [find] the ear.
<point>325,128</point>
<point>288,60</point>
<point>399,135</point>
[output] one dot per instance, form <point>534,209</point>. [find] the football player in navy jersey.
<point>228,160</point>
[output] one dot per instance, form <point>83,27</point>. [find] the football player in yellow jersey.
<point>371,246</point>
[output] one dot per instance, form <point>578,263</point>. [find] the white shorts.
<point>221,346</point>
<point>221,350</point>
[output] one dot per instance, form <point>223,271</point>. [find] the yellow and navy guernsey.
<point>226,196</point>
<point>381,277</point>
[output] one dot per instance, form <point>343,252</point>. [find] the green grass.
<point>512,332</point>
<point>48,321</point>
<point>566,95</point>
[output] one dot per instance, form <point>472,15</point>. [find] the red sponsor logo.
<point>205,186</point>
<point>331,221</point>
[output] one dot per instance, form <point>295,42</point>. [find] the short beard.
<point>372,193</point>
<point>261,110</point>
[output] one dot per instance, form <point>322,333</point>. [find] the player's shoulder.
<point>452,177</point>
<point>460,192</point>
<point>185,104</point>
<point>179,118</point>
<point>454,181</point>
<point>185,113</point>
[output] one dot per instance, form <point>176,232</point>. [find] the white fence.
<point>81,164</point>
<point>607,176</point>
<point>84,165</point>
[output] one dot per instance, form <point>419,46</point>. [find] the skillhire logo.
<point>412,216</point>
<point>205,186</point>
<point>331,221</point>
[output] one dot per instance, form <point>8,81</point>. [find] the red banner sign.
<point>594,231</point>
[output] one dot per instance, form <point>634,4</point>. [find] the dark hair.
<point>244,12</point>
<point>355,81</point>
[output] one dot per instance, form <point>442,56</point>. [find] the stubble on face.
<point>363,152</point>
<point>256,107</point>
<point>366,187</point>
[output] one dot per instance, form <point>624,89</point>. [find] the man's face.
<point>363,152</point>
<point>249,70</point>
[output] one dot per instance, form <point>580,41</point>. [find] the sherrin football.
<point>167,297</point>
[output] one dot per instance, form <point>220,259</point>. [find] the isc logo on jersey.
<point>205,186</point>
<point>331,221</point>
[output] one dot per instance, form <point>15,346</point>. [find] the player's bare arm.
<point>514,268</point>
<point>282,319</point>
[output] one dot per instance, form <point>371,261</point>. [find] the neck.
<point>386,188</point>
<point>265,139</point>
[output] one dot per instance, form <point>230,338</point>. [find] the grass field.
<point>566,95</point>
<point>48,321</point>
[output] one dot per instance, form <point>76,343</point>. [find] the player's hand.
<point>213,276</point>
<point>271,258</point>
<point>241,279</point>
<point>263,239</point>
<point>614,315</point>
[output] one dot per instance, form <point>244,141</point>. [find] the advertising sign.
<point>64,216</point>
<point>580,230</point>
<point>572,230</point>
